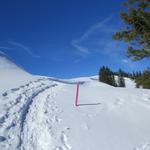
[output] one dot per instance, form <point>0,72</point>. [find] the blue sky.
<point>64,38</point>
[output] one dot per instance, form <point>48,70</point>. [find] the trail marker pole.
<point>77,94</point>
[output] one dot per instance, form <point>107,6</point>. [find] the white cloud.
<point>25,48</point>
<point>83,43</point>
<point>98,41</point>
<point>94,28</point>
<point>115,49</point>
<point>130,64</point>
<point>125,61</point>
<point>81,49</point>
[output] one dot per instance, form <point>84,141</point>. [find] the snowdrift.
<point>11,75</point>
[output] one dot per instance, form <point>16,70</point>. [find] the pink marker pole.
<point>77,94</point>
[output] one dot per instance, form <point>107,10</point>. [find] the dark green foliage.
<point>107,76</point>
<point>121,81</point>
<point>103,74</point>
<point>123,73</point>
<point>146,79</point>
<point>137,31</point>
<point>143,79</point>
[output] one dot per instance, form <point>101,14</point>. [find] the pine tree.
<point>121,81</point>
<point>146,79</point>
<point>143,79</point>
<point>107,76</point>
<point>103,74</point>
<point>137,31</point>
<point>134,75</point>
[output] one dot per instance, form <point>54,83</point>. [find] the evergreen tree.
<point>143,79</point>
<point>146,79</point>
<point>107,76</point>
<point>121,81</point>
<point>123,73</point>
<point>137,31</point>
<point>103,75</point>
<point>130,75</point>
<point>134,75</point>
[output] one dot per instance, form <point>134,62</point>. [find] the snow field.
<point>39,113</point>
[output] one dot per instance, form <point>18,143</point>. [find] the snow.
<point>11,75</point>
<point>129,83</point>
<point>39,113</point>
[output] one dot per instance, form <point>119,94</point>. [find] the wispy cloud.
<point>23,47</point>
<point>128,63</point>
<point>83,50</point>
<point>82,43</point>
<point>125,61</point>
<point>94,28</point>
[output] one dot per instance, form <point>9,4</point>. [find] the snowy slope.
<point>41,115</point>
<point>128,82</point>
<point>107,118</point>
<point>10,74</point>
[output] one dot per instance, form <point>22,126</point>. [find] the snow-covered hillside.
<point>40,114</point>
<point>10,74</point>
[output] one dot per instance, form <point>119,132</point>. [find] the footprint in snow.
<point>146,97</point>
<point>64,141</point>
<point>2,120</point>
<point>5,94</point>
<point>2,138</point>
<point>14,89</point>
<point>22,86</point>
<point>145,146</point>
<point>118,102</point>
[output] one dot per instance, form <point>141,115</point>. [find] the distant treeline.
<point>116,79</point>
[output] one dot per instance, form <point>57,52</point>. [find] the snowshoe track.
<point>17,108</point>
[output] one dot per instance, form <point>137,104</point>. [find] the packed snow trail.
<point>17,106</point>
<point>40,127</point>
